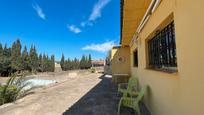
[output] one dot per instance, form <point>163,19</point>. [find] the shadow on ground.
<point>100,100</point>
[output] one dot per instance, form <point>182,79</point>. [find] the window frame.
<point>156,53</point>
<point>134,61</point>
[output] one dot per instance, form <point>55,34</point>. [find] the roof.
<point>97,62</point>
<point>121,18</point>
<point>132,12</point>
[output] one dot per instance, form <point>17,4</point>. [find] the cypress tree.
<point>108,58</point>
<point>6,61</point>
<point>52,63</point>
<point>40,62</point>
<point>13,60</point>
<point>69,64</point>
<point>47,66</point>
<point>33,58</point>
<point>13,57</point>
<point>1,49</point>
<point>44,63</point>
<point>89,61</point>
<point>83,62</point>
<point>25,60</point>
<point>19,58</point>
<point>76,63</point>
<point>16,61</point>
<point>62,62</point>
<point>1,58</point>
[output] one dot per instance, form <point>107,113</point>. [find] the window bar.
<point>173,44</point>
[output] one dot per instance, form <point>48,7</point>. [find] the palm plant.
<point>14,89</point>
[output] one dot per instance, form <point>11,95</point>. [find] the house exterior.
<point>162,44</point>
<point>96,63</point>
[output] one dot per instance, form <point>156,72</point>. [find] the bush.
<point>93,70</point>
<point>9,95</point>
<point>13,90</point>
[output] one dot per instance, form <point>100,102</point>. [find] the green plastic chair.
<point>133,102</point>
<point>129,88</point>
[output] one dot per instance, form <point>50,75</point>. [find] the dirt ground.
<point>74,94</point>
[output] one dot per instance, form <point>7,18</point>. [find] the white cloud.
<point>104,47</point>
<point>86,23</point>
<point>39,11</point>
<point>97,9</point>
<point>96,13</point>
<point>74,29</point>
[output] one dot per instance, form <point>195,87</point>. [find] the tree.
<point>40,62</point>
<point>1,49</point>
<point>86,62</point>
<point>62,62</point>
<point>76,63</point>
<point>26,60</point>
<point>16,61</point>
<point>5,61</point>
<point>108,58</point>
<point>89,61</point>
<point>83,62</point>
<point>44,59</point>
<point>67,65</point>
<point>13,60</point>
<point>33,58</point>
<point>1,58</point>
<point>52,63</point>
<point>72,64</point>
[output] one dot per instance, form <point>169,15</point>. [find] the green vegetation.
<point>108,58</point>
<point>13,60</point>
<point>84,63</point>
<point>14,89</point>
<point>93,70</point>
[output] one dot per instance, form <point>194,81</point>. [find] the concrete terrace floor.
<point>92,94</point>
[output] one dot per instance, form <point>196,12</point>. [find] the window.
<point>162,49</point>
<point>135,53</point>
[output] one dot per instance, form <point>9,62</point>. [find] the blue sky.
<point>72,27</point>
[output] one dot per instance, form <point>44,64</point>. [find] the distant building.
<point>96,63</point>
<point>57,67</point>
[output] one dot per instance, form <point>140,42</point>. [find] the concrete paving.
<point>92,94</point>
<point>53,100</point>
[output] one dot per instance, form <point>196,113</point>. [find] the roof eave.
<point>121,19</point>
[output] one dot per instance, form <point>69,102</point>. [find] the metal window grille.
<point>162,48</point>
<point>135,58</point>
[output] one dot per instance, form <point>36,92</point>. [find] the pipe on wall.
<point>156,5</point>
<point>147,13</point>
<point>152,7</point>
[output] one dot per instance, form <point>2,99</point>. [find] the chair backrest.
<point>132,82</point>
<point>141,93</point>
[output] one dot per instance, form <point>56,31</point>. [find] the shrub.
<point>14,89</point>
<point>93,70</point>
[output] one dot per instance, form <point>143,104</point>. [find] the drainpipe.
<point>156,5</point>
<point>146,16</point>
<point>152,7</point>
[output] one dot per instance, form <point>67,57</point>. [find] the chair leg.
<point>119,106</point>
<point>137,109</point>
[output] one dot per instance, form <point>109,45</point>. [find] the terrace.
<point>90,94</point>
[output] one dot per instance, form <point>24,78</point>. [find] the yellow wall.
<point>189,20</point>
<point>120,67</point>
<point>178,93</point>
